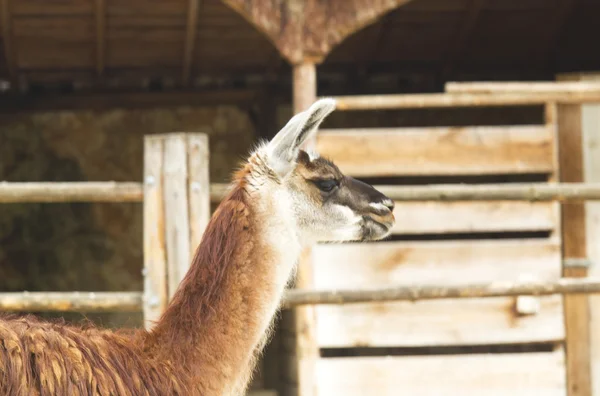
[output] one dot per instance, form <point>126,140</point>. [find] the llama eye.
<point>326,185</point>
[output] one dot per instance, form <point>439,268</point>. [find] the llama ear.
<point>284,148</point>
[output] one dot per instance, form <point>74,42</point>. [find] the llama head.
<point>328,206</point>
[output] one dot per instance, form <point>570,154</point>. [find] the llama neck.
<point>222,312</point>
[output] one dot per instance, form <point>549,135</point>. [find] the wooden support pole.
<point>190,41</point>
<point>576,307</point>
<point>176,212</point>
<point>307,351</point>
<point>100,14</point>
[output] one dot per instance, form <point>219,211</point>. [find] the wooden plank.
<point>438,323</point>
<point>477,216</point>
<point>177,229</point>
<point>576,307</point>
<point>471,321</point>
<point>441,100</point>
<point>526,374</point>
<point>441,262</point>
<point>489,87</point>
<point>155,260</point>
<point>439,151</point>
<point>199,187</point>
<point>190,40</point>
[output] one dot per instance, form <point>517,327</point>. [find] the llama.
<point>207,341</point>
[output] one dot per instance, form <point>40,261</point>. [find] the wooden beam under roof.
<point>461,40</point>
<point>190,40</point>
<point>100,14</point>
<point>8,38</point>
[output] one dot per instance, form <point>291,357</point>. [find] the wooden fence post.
<point>574,244</point>
<point>176,212</point>
<point>307,350</point>
<point>586,119</point>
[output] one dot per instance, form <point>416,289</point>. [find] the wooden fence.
<point>176,195</point>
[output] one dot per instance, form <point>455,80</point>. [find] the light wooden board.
<point>440,322</point>
<point>155,261</point>
<point>524,374</point>
<point>465,217</point>
<point>177,229</point>
<point>439,151</point>
<point>356,265</point>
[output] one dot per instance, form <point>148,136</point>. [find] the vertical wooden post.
<point>588,123</point>
<point>307,351</point>
<point>176,212</point>
<point>576,307</point>
<point>155,259</point>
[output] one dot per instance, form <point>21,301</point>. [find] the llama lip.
<point>376,230</point>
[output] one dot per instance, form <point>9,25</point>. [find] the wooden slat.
<point>155,260</point>
<point>177,229</point>
<point>471,321</point>
<point>439,151</point>
<point>466,217</point>
<point>528,374</point>
<point>199,187</point>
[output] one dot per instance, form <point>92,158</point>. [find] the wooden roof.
<point>183,42</point>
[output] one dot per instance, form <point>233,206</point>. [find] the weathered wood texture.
<point>439,151</point>
<point>554,88</point>
<point>577,308</point>
<point>413,101</point>
<point>176,212</point>
<point>70,192</point>
<point>71,302</point>
<point>302,30</point>
<point>465,375</point>
<point>474,216</point>
<point>395,264</point>
<point>155,256</point>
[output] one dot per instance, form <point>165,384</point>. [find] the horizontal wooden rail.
<point>495,192</point>
<point>133,192</point>
<point>412,101</point>
<point>433,292</point>
<point>28,192</point>
<point>132,301</point>
<point>554,88</point>
<point>70,192</point>
<point>71,301</point>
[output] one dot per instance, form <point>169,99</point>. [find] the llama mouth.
<point>373,230</point>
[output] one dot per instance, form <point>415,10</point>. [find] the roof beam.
<point>190,41</point>
<point>100,14</point>
<point>461,39</point>
<point>8,37</point>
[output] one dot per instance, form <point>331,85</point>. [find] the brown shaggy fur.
<point>204,344</point>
